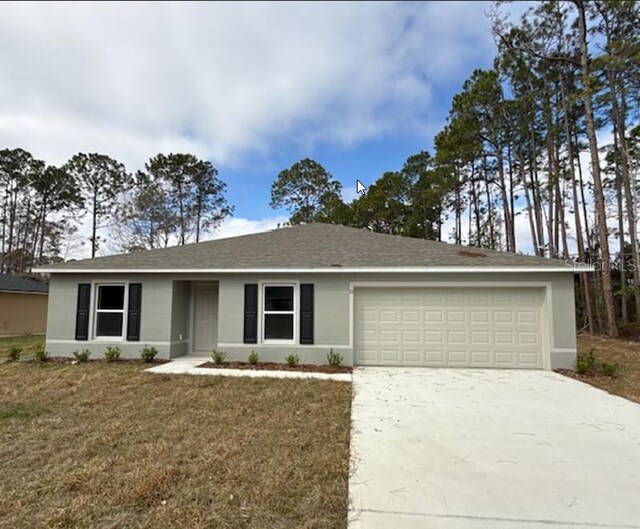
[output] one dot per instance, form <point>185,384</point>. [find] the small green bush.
<point>14,353</point>
<point>585,363</point>
<point>253,358</point>
<point>112,354</point>
<point>610,369</point>
<point>40,354</point>
<point>334,359</point>
<point>82,355</point>
<point>292,360</point>
<point>218,357</point>
<point>148,353</point>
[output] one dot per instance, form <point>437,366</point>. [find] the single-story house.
<point>23,306</point>
<point>376,299</point>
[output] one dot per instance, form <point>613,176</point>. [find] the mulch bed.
<point>71,360</point>
<point>274,366</point>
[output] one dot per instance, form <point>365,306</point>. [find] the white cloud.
<point>349,194</point>
<point>224,80</point>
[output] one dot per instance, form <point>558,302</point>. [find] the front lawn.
<point>103,445</point>
<point>625,353</point>
<point>26,343</point>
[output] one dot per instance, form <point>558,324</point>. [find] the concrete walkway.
<point>188,365</point>
<point>472,449</point>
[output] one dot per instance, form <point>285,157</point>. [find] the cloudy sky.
<point>253,87</point>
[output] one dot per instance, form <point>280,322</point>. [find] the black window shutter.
<point>82,311</point>
<point>251,313</point>
<point>306,313</point>
<point>133,314</point>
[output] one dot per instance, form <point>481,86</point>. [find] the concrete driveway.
<point>471,449</point>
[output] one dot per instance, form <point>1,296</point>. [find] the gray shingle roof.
<point>9,283</point>
<point>312,246</point>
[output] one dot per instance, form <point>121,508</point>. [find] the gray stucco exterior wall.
<point>156,309</point>
<point>166,311</point>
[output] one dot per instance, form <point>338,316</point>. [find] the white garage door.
<point>488,327</point>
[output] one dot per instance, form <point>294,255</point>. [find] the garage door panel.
<point>480,337</point>
<point>390,355</point>
<point>436,358</point>
<point>411,336</point>
<point>366,335</point>
<point>388,316</point>
<point>457,316</point>
<point>434,337</point>
<point>457,358</point>
<point>410,316</point>
<point>456,297</point>
<point>503,316</point>
<point>368,315</point>
<point>412,356</point>
<point>433,316</point>
<point>490,327</point>
<point>480,357</point>
<point>527,338</point>
<point>387,335</point>
<point>480,316</point>
<point>505,358</point>
<point>457,338</point>
<point>527,316</point>
<point>527,357</point>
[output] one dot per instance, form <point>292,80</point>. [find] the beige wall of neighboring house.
<point>23,313</point>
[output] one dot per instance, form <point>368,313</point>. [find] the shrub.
<point>14,353</point>
<point>112,354</point>
<point>610,369</point>
<point>40,354</point>
<point>292,360</point>
<point>253,358</point>
<point>218,356</point>
<point>334,359</point>
<point>82,356</point>
<point>148,353</point>
<point>585,363</point>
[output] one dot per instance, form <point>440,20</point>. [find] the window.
<point>110,311</point>
<point>279,313</point>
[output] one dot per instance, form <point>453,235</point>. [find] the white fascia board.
<point>332,270</point>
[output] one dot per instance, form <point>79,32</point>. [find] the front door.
<point>205,317</point>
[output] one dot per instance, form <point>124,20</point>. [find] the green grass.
<point>19,411</point>
<point>27,343</point>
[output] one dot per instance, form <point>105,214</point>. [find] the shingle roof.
<point>308,247</point>
<point>9,283</point>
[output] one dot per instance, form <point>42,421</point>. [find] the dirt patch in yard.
<point>622,352</point>
<point>274,366</point>
<point>108,445</point>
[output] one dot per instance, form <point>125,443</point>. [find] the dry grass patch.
<point>111,446</point>
<point>625,353</point>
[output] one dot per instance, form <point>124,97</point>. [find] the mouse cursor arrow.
<point>360,188</point>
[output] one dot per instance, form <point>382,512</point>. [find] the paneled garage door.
<point>488,327</point>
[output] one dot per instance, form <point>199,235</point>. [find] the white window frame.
<point>95,311</point>
<point>293,313</point>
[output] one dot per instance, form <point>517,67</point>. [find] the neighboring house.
<point>23,306</point>
<point>376,299</point>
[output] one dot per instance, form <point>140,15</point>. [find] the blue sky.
<point>253,87</point>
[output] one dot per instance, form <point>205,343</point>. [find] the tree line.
<point>175,200</point>
<point>566,75</point>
